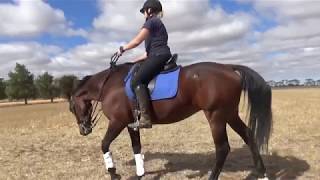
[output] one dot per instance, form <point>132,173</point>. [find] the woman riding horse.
<point>157,54</point>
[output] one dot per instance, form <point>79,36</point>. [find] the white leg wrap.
<point>265,178</point>
<point>139,164</point>
<point>108,160</point>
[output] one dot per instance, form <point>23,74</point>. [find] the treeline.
<point>22,85</point>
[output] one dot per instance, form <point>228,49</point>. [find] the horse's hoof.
<point>113,174</point>
<point>115,177</point>
<point>135,178</point>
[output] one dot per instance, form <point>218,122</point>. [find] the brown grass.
<point>43,142</point>
<point>6,103</point>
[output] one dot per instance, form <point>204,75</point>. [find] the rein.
<point>94,112</point>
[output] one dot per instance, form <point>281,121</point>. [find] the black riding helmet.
<point>155,5</point>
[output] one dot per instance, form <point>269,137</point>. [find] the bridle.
<point>94,118</point>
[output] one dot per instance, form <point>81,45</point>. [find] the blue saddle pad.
<point>166,85</point>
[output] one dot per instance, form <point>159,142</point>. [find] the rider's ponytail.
<point>151,12</point>
<point>160,14</point>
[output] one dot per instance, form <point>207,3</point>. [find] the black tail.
<point>259,102</point>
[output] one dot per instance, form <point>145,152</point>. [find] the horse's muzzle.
<point>84,131</point>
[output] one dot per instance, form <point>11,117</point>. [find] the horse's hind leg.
<point>136,146</point>
<point>217,123</point>
<point>246,134</point>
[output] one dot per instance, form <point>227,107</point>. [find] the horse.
<point>210,87</point>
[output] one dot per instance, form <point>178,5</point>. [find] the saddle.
<point>163,86</point>
<point>170,66</point>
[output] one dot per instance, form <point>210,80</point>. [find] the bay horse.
<point>211,87</point>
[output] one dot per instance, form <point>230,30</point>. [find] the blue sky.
<point>81,13</point>
<point>277,39</point>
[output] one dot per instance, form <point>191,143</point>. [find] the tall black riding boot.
<point>145,106</point>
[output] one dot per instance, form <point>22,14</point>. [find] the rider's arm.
<point>143,34</point>
<point>141,58</point>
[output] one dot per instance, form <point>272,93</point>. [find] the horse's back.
<point>212,73</point>
<point>211,83</point>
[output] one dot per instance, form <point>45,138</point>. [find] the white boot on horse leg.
<point>139,164</point>
<point>108,160</point>
<point>264,178</point>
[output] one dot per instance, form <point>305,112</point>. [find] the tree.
<point>309,82</point>
<point>67,84</point>
<point>20,84</point>
<point>46,86</point>
<point>2,89</point>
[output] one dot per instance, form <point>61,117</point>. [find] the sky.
<point>279,39</point>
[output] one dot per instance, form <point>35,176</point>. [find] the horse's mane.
<point>81,83</point>
<point>128,64</point>
<point>86,78</point>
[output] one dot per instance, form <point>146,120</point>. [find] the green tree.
<point>46,87</point>
<point>2,89</point>
<point>67,84</point>
<point>20,84</point>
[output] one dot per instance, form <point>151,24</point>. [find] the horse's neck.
<point>108,78</point>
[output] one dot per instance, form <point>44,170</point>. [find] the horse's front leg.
<point>136,146</point>
<point>114,129</point>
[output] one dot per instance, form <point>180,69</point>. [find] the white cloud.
<point>34,55</point>
<point>87,59</point>
<point>81,60</point>
<point>192,25</point>
<point>289,45</point>
<point>25,18</point>
<point>293,9</point>
<point>118,21</point>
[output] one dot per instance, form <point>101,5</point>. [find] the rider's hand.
<point>120,51</point>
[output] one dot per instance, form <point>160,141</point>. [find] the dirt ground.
<point>42,141</point>
<point>6,103</point>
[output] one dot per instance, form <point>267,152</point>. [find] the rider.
<point>155,35</point>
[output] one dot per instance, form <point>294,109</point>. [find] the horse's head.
<point>81,107</point>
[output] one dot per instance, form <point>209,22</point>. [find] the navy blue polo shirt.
<point>157,42</point>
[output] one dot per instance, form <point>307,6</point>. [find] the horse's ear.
<point>80,93</point>
<point>77,85</point>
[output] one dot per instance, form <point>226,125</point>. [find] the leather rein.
<point>94,118</point>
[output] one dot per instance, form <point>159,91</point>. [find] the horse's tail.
<point>259,104</point>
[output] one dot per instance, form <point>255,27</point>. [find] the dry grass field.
<point>43,142</point>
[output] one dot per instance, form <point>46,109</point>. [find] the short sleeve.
<point>148,25</point>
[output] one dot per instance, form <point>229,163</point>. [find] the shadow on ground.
<point>278,167</point>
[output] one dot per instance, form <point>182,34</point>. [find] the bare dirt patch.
<point>42,142</point>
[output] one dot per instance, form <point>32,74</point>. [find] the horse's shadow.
<point>278,167</point>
